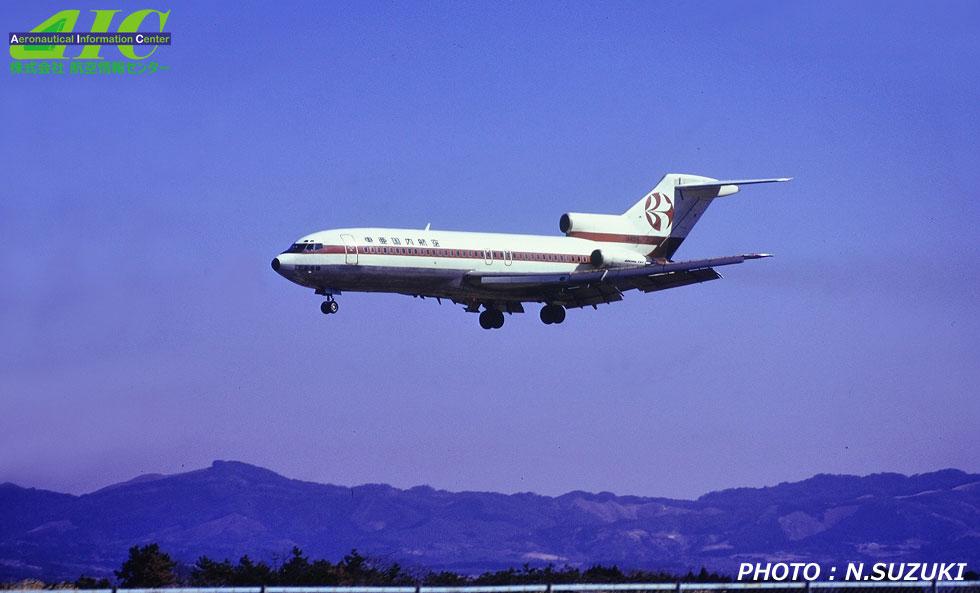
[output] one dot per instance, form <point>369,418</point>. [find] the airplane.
<point>600,257</point>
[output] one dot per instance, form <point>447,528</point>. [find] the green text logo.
<point>91,41</point>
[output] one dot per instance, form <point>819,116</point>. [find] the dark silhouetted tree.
<point>323,573</point>
<point>249,573</point>
<point>603,574</point>
<point>147,566</point>
<point>704,576</point>
<point>444,579</point>
<point>85,582</point>
<point>296,570</point>
<point>209,573</point>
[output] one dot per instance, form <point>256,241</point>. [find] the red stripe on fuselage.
<point>442,252</point>
<point>617,238</point>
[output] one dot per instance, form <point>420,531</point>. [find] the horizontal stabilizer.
<point>721,182</point>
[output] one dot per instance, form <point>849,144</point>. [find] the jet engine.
<point>614,258</point>
<point>577,222</point>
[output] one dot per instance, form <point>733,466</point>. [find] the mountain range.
<point>232,508</point>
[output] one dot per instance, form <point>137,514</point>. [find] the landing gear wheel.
<point>329,307</point>
<point>491,320</point>
<point>552,314</point>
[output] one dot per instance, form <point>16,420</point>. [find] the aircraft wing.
<point>592,287</point>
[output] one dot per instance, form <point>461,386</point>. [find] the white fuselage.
<point>600,257</point>
<point>431,262</point>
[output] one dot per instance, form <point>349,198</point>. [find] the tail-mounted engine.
<point>614,258</point>
<point>577,224</point>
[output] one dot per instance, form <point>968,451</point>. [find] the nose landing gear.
<point>552,314</point>
<point>491,319</point>
<point>329,307</point>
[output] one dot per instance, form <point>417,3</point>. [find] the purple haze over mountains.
<point>231,509</point>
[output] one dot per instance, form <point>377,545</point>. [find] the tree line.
<point>149,566</point>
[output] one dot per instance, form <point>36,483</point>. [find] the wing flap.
<point>588,295</point>
<point>675,279</point>
<point>610,276</point>
<point>595,287</point>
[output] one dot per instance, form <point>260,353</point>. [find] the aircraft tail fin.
<point>663,217</point>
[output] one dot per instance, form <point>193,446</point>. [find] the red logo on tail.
<point>660,211</point>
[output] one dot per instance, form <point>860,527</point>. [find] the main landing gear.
<point>491,319</point>
<point>329,307</point>
<point>552,314</point>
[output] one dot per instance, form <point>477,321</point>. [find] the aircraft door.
<point>508,258</point>
<point>350,249</point>
<point>487,256</point>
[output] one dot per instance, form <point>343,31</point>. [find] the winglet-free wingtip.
<point>756,255</point>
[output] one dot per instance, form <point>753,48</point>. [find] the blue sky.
<point>145,332</point>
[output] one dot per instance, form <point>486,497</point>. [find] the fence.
<point>769,586</point>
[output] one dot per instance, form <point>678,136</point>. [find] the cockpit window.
<point>301,247</point>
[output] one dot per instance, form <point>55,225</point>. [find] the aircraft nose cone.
<point>275,264</point>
